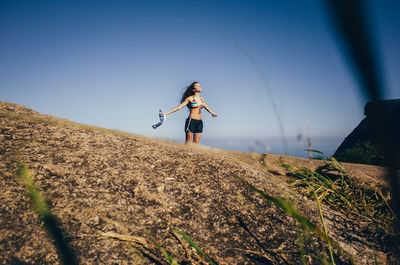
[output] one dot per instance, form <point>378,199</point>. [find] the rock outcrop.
<point>107,188</point>
<point>379,130</point>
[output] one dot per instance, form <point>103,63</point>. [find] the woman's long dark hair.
<point>189,92</point>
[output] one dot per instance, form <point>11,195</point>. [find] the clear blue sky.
<point>114,63</point>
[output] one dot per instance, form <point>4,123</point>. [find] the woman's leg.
<point>196,138</point>
<point>189,137</point>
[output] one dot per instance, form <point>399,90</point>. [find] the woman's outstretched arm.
<point>208,109</point>
<point>184,103</point>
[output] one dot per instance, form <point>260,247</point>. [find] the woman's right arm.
<point>184,103</point>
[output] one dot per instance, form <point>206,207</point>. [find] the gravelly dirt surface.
<point>99,181</point>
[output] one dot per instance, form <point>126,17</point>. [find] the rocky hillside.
<point>117,197</point>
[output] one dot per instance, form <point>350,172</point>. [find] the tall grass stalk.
<point>267,87</point>
<point>53,226</point>
<point>310,153</point>
<point>324,226</point>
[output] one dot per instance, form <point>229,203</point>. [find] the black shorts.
<point>193,126</point>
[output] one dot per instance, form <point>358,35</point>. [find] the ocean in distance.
<point>271,145</point>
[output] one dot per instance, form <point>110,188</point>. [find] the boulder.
<point>376,139</point>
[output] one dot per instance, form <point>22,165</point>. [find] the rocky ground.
<point>112,192</point>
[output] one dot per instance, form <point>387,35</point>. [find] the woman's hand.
<point>214,115</point>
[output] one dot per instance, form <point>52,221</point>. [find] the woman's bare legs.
<point>196,138</point>
<point>189,137</point>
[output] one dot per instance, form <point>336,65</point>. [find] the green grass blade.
<point>53,226</point>
<point>195,246</point>
<point>318,152</point>
<point>281,204</point>
<point>375,259</point>
<point>168,256</point>
<point>338,165</point>
<point>324,226</point>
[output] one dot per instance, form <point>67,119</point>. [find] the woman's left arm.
<point>208,109</point>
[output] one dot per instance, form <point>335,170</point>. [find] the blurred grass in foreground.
<point>53,226</point>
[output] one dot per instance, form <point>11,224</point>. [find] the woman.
<point>193,125</point>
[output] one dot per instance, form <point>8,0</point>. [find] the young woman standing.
<point>193,125</point>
